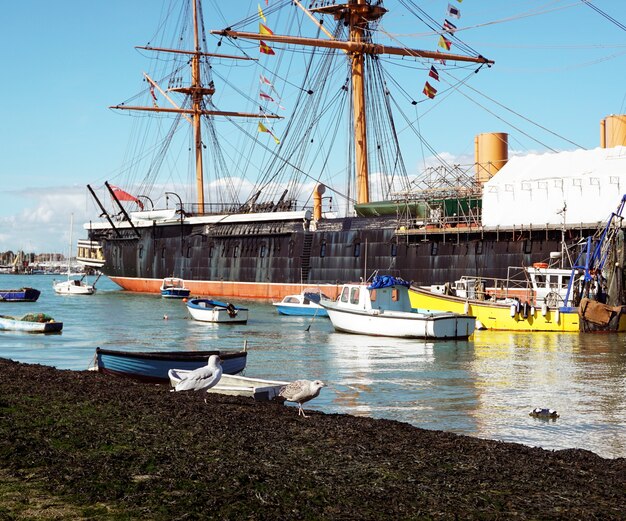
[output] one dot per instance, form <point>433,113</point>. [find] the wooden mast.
<point>196,104</point>
<point>357,14</point>
<point>197,92</point>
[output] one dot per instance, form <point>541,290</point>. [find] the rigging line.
<point>288,163</point>
<point>604,14</point>
<point>520,116</point>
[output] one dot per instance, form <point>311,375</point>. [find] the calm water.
<point>484,387</point>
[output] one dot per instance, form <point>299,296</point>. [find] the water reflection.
<point>483,387</point>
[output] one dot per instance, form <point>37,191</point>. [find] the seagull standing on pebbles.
<point>203,378</point>
<point>301,391</point>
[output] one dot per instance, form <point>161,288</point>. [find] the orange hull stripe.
<point>245,290</point>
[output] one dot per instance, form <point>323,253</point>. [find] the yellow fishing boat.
<point>587,297</point>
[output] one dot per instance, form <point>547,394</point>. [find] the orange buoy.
<point>185,299</point>
<point>540,265</point>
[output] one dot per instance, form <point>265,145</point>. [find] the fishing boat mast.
<point>357,15</point>
<point>197,92</point>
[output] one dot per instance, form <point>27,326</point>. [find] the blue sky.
<point>558,63</point>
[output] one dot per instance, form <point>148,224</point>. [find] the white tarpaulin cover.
<point>532,189</point>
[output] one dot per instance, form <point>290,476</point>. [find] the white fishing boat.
<point>303,304</point>
<point>234,385</point>
<point>383,308</point>
<point>207,310</point>
<point>173,287</point>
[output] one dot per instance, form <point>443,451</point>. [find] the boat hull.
<point>301,311</point>
<point>11,324</point>
<point>19,295</point>
<point>498,317</point>
<point>73,287</point>
<point>206,310</point>
<point>175,293</point>
<point>402,325</point>
<point>298,259</point>
<point>152,367</point>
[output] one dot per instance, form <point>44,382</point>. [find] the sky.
<point>559,70</point>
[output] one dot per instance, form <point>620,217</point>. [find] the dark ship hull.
<point>269,259</point>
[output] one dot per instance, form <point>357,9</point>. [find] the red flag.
<point>265,49</point>
<point>264,96</point>
<point>433,73</point>
<point>429,90</point>
<point>125,196</point>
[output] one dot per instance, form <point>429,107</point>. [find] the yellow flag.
<point>261,15</point>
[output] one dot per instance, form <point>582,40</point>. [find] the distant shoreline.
<point>80,444</point>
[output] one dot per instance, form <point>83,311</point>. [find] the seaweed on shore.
<point>77,444</point>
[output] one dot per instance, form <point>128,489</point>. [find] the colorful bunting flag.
<point>448,27</point>
<point>429,90</point>
<point>433,73</point>
<point>444,43</point>
<point>265,49</point>
<point>263,128</point>
<point>261,15</point>
<point>454,12</point>
<point>264,29</point>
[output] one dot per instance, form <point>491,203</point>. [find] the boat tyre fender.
<point>232,312</point>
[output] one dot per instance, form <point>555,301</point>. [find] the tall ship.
<point>255,213</point>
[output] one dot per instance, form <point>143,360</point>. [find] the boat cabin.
<point>388,298</point>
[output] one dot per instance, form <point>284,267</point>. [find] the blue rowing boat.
<point>19,295</point>
<point>153,366</point>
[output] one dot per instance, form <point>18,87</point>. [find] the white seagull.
<point>301,391</point>
<point>203,378</point>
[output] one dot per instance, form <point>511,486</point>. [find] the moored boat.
<point>303,304</point>
<point>173,287</point>
<point>19,295</point>
<point>235,385</point>
<point>153,366</point>
<point>31,323</point>
<point>545,296</point>
<point>383,308</point>
<point>207,310</point>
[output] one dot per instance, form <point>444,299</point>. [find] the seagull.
<point>301,391</point>
<point>203,378</point>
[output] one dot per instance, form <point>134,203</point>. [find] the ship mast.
<point>196,91</point>
<point>357,15</point>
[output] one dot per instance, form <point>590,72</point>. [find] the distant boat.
<point>19,295</point>
<point>257,388</point>
<point>31,323</point>
<point>207,310</point>
<point>173,287</point>
<point>303,304</point>
<point>73,286</point>
<point>383,308</point>
<point>153,366</point>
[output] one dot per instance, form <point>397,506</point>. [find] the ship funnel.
<point>317,201</point>
<point>491,154</point>
<point>613,131</point>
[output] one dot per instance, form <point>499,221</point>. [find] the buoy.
<point>544,309</point>
<point>185,299</point>
<point>164,317</point>
<point>540,265</point>
<point>532,311</point>
<point>558,316</point>
<point>525,310</point>
<point>467,307</point>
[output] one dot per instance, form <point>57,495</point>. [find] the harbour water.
<point>484,387</point>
